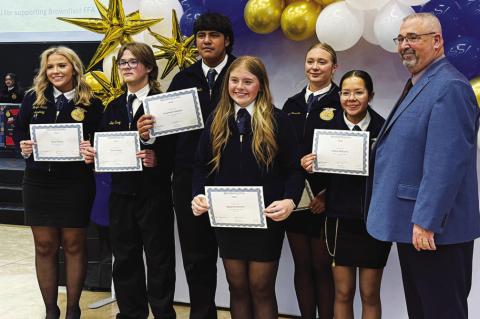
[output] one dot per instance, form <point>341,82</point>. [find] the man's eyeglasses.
<point>132,64</point>
<point>346,94</point>
<point>410,37</point>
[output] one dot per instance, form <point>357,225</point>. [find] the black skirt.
<point>353,246</point>
<point>58,199</point>
<point>251,244</point>
<point>306,222</point>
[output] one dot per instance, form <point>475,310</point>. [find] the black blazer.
<point>15,95</point>
<point>188,78</point>
<point>296,108</point>
<point>152,180</point>
<point>47,114</point>
<point>238,165</point>
<point>345,194</point>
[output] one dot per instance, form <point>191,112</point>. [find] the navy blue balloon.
<point>451,14</point>
<point>464,54</point>
<point>472,17</point>
<point>188,18</point>
<point>187,4</point>
<point>232,9</point>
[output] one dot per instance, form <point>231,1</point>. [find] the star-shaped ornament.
<point>104,89</point>
<point>117,28</point>
<point>177,50</point>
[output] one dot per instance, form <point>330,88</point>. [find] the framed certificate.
<point>341,152</point>
<point>117,151</point>
<point>307,197</point>
<point>174,112</point>
<point>57,142</point>
<point>236,206</point>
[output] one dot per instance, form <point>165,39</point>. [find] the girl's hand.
<point>26,148</point>
<point>307,162</point>
<point>279,209</point>
<point>199,205</point>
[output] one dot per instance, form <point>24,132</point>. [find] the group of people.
<point>421,193</point>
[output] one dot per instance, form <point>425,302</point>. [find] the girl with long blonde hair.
<point>248,142</point>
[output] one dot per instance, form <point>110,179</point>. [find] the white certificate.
<point>117,151</point>
<point>236,206</point>
<point>174,112</point>
<point>57,142</point>
<point>307,197</point>
<point>341,152</point>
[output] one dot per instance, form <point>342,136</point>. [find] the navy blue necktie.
<point>356,128</point>
<point>130,100</point>
<point>61,102</point>
<point>243,121</point>
<point>211,78</point>
<point>311,99</point>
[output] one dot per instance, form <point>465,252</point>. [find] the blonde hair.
<point>144,54</point>
<point>83,93</point>
<point>326,47</point>
<point>264,145</point>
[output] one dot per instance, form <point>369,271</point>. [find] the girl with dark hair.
<point>11,92</point>
<point>346,237</point>
<point>313,274</point>
<point>261,152</point>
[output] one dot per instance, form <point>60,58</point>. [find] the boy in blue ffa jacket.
<point>141,209</point>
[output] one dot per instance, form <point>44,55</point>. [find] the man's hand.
<point>87,151</point>
<point>422,239</point>
<point>148,157</point>
<point>144,124</point>
<point>317,205</point>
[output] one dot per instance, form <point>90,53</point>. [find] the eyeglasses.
<point>346,94</point>
<point>410,37</point>
<point>132,64</point>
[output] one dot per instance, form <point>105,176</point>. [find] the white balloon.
<point>153,9</point>
<point>368,32</point>
<point>387,24</point>
<point>107,62</point>
<point>366,4</point>
<point>413,2</point>
<point>339,26</point>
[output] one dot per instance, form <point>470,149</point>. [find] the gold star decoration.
<point>117,28</point>
<point>178,50</point>
<point>104,89</point>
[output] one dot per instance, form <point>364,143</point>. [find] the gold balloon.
<point>287,2</point>
<point>325,2</point>
<point>103,88</point>
<point>117,27</point>
<point>476,88</point>
<point>92,81</point>
<point>299,20</point>
<point>263,16</point>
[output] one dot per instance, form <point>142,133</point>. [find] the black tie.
<point>61,102</point>
<point>311,99</point>
<point>130,100</point>
<point>356,128</point>
<point>243,121</point>
<point>211,78</point>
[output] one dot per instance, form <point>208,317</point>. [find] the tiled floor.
<point>19,293</point>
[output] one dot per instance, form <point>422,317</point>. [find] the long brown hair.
<point>264,145</point>
<point>83,94</point>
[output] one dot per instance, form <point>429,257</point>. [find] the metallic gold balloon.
<point>299,20</point>
<point>117,27</point>
<point>325,2</point>
<point>92,81</point>
<point>476,88</point>
<point>263,16</point>
<point>103,88</point>
<point>287,2</point>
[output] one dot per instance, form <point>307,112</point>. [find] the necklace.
<point>334,243</point>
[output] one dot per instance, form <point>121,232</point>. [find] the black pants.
<point>199,249</point>
<point>437,283</point>
<point>138,225</point>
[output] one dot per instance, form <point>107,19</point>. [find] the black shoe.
<point>55,314</point>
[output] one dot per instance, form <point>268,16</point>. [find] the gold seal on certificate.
<point>341,152</point>
<point>236,206</point>
<point>174,112</point>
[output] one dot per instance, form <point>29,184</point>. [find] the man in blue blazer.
<point>425,194</point>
